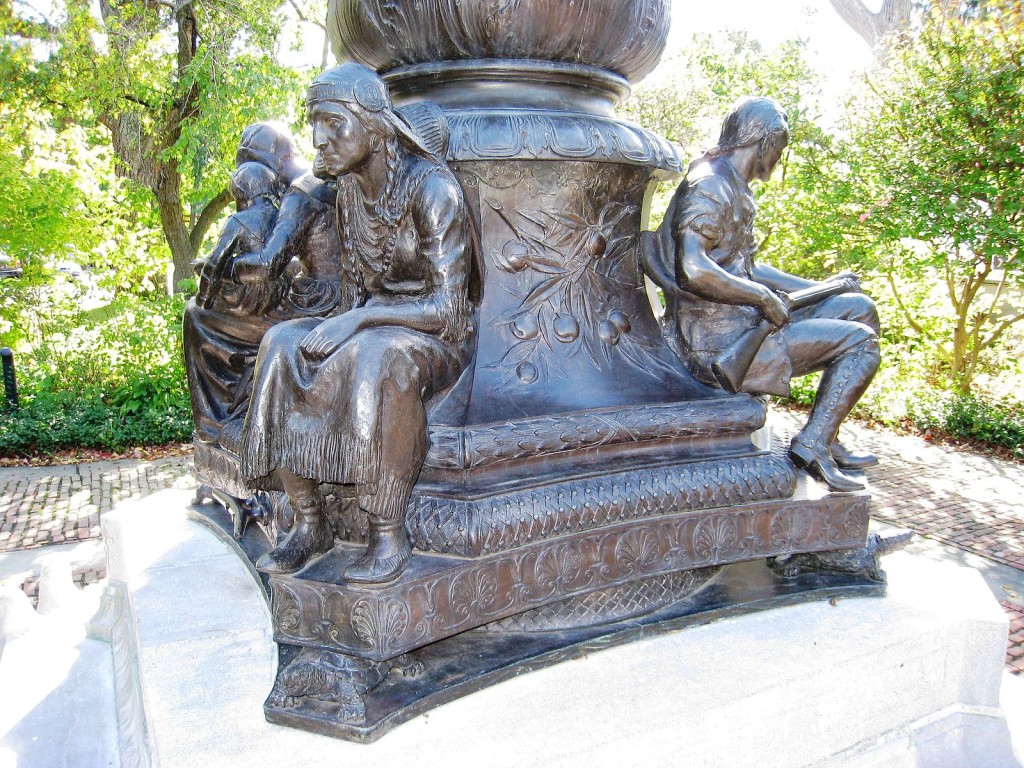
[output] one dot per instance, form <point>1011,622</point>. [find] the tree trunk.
<point>168,197</point>
<point>894,16</point>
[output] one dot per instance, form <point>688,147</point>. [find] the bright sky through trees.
<point>833,48</point>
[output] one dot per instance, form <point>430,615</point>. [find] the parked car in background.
<point>8,269</point>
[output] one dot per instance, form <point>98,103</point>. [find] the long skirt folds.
<point>354,417</point>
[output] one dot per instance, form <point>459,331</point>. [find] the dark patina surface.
<point>449,430</point>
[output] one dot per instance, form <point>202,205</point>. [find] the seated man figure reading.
<point>748,326</point>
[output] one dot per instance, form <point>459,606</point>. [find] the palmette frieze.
<point>383,621</point>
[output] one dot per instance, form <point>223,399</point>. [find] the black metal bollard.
<point>10,381</point>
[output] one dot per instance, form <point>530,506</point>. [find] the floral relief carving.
<point>470,594</point>
<point>287,609</point>
<point>380,622</point>
<point>474,592</point>
<point>638,551</point>
<point>790,529</point>
<point>558,569</point>
<point>714,538</point>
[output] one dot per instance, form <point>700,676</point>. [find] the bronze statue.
<point>223,327</point>
<point>748,326</point>
<point>494,455</point>
<point>341,401</point>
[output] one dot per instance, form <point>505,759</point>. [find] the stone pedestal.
<point>911,679</point>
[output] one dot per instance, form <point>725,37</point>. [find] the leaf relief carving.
<point>474,592</point>
<point>714,537</point>
<point>637,552</point>
<point>379,623</point>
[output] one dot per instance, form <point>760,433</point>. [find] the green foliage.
<point>918,189</point>
<point>106,377</point>
<point>708,76</point>
<point>965,416</point>
<point>67,420</point>
<point>930,192</point>
<point>143,103</point>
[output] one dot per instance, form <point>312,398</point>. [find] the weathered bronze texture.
<point>626,38</point>
<point>748,326</point>
<point>865,561</point>
<point>434,379</point>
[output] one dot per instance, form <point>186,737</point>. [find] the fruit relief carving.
<point>564,306</point>
<point>570,271</point>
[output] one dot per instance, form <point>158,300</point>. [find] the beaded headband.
<point>350,84</point>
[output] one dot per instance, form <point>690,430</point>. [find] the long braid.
<point>353,276</point>
<point>389,208</point>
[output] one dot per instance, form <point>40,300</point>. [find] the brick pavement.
<point>961,498</point>
<point>61,504</point>
<point>1015,643</point>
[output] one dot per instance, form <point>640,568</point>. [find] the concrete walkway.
<point>966,506</point>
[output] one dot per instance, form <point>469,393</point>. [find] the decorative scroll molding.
<point>218,468</point>
<point>442,598</point>
<point>524,135</point>
<point>501,521</point>
<point>484,445</point>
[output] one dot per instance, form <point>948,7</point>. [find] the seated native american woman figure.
<point>751,327</point>
<point>224,325</point>
<point>342,401</point>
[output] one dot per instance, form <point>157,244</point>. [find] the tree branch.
<point>305,19</point>
<point>1000,329</point>
<point>859,19</point>
<point>950,285</point>
<point>207,218</point>
<point>903,308</point>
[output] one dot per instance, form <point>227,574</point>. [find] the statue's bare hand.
<point>324,340</point>
<point>850,279</point>
<point>774,308</point>
<point>250,268</point>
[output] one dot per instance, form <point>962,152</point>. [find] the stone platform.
<point>911,679</point>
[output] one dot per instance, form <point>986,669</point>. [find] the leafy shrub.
<point>61,420</point>
<point>106,377</point>
<point>968,417</point>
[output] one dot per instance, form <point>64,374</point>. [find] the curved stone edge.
<point>112,625</point>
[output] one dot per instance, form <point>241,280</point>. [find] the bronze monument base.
<point>468,662</point>
<point>358,659</point>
